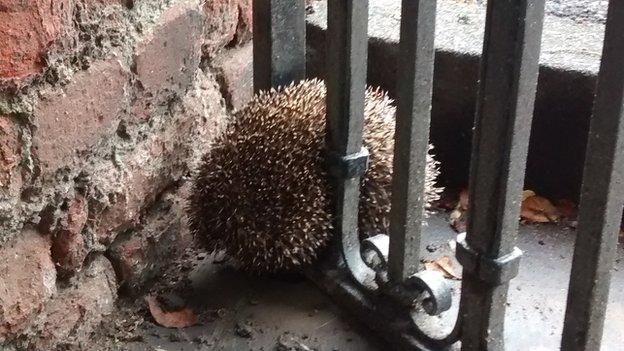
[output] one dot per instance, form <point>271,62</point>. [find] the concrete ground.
<point>537,296</point>
<point>275,310</point>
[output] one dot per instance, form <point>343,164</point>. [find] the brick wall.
<point>105,105</point>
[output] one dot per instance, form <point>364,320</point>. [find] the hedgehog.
<point>263,194</point>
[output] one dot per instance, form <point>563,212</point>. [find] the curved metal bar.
<point>346,85</point>
<point>360,271</point>
<point>437,343</point>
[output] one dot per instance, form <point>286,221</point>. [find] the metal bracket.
<point>348,166</point>
<point>495,271</point>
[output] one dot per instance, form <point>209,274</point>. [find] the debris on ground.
<point>202,341</point>
<point>290,342</point>
<point>534,209</point>
<point>176,336</point>
<point>243,329</point>
<point>443,265</point>
<point>432,248</point>
<point>182,318</point>
<point>537,209</point>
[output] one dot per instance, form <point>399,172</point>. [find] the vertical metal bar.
<point>278,42</point>
<point>601,198</point>
<point>347,51</point>
<point>411,140</point>
<point>509,69</point>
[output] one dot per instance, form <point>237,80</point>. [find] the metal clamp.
<point>494,271</point>
<point>348,166</point>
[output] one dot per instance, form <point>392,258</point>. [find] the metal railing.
<point>388,289</point>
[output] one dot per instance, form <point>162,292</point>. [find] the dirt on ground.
<point>228,310</point>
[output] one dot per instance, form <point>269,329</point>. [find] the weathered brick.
<point>9,150</point>
<point>168,58</point>
<point>70,317</point>
<point>160,160</point>
<point>74,119</point>
<point>235,73</point>
<point>140,188</point>
<point>27,280</point>
<point>139,255</point>
<point>68,245</point>
<point>27,28</point>
<point>244,28</point>
<point>222,18</point>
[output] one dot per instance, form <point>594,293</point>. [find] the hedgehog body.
<point>262,192</point>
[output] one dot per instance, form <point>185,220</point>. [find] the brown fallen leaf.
<point>182,318</point>
<point>527,194</point>
<point>443,265</point>
<point>621,237</point>
<point>537,209</point>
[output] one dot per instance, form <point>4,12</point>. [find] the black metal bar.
<point>411,145</point>
<point>279,42</point>
<point>346,85</point>
<point>602,198</point>
<point>509,69</point>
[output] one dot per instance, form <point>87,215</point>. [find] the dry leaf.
<point>171,319</point>
<point>621,238</point>
<point>537,209</point>
<point>443,265</point>
<point>527,194</point>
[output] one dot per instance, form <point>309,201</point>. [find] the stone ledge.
<point>563,103</point>
<point>566,44</point>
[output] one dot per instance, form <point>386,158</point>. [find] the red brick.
<point>169,57</point>
<point>142,184</point>
<point>9,150</point>
<point>71,316</point>
<point>244,27</point>
<point>235,72</point>
<point>140,189</point>
<point>139,255</point>
<point>68,245</point>
<point>27,28</point>
<point>74,119</point>
<point>221,23</point>
<point>159,161</point>
<point>27,280</point>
